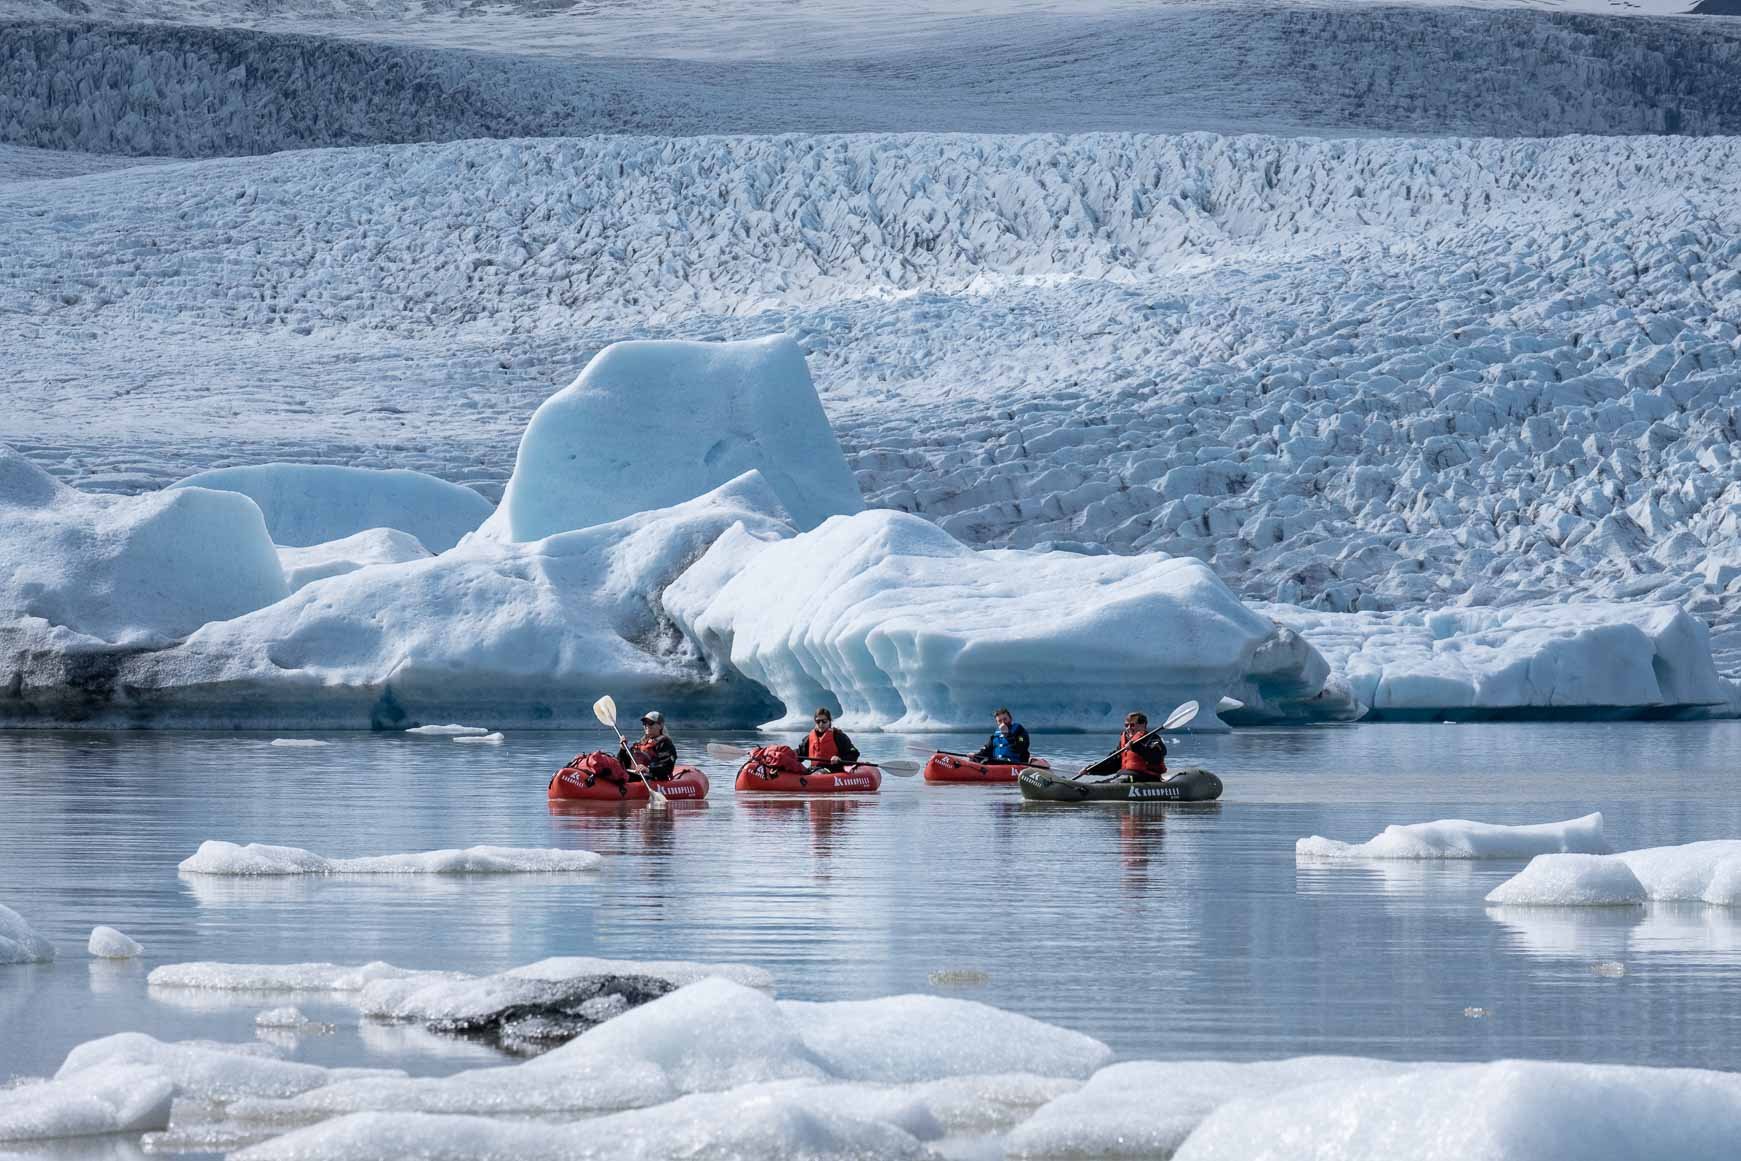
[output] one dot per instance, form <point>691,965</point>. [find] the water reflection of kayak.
<point>1192,784</point>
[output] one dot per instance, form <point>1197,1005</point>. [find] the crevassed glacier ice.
<point>650,424</point>
<point>1456,838</point>
<point>310,504</point>
<point>84,571</point>
<point>905,627</point>
<point>1579,658</point>
<point>216,857</point>
<point>1509,1110</point>
<point>18,942</point>
<point>1700,872</point>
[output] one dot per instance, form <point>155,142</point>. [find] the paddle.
<point>727,753</point>
<point>1175,720</point>
<point>606,710</point>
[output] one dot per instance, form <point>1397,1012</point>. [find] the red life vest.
<point>820,747</point>
<point>1131,760</point>
<point>642,751</point>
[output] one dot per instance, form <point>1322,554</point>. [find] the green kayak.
<point>1192,784</point>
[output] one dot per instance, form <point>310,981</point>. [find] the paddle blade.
<point>899,769</point>
<point>605,708</point>
<point>724,752</point>
<point>1180,717</point>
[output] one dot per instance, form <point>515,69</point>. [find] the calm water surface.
<point>1167,931</point>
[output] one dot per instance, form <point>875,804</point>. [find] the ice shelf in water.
<point>19,943</point>
<point>216,857</point>
<point>1456,838</point>
<point>1701,872</point>
<point>649,424</point>
<point>904,626</point>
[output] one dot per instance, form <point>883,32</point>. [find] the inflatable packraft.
<point>1192,784</point>
<point>947,767</point>
<point>599,777</point>
<point>778,769</point>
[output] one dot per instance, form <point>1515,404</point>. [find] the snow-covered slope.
<point>212,88</point>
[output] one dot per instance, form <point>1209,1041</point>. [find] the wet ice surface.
<point>1167,932</point>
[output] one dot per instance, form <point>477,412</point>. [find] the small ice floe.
<point>1477,1013</point>
<point>107,943</point>
<point>18,942</point>
<point>286,1017</point>
<point>494,738</point>
<point>1609,969</point>
<point>1455,838</point>
<point>113,1098</point>
<point>216,857</point>
<point>450,731</point>
<point>297,742</point>
<point>958,978</point>
<point>1702,872</point>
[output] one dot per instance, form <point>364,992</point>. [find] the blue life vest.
<point>1001,748</point>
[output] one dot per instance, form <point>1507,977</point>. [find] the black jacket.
<point>842,743</point>
<point>664,757</point>
<point>1018,745</point>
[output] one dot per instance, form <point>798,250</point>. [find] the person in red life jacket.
<point>655,753</point>
<point>1008,744</point>
<point>825,747</point>
<point>1139,758</point>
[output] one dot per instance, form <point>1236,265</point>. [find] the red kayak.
<point>947,767</point>
<point>686,782</point>
<point>767,776</point>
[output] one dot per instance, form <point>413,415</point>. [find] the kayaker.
<point>1139,758</point>
<point>655,753</point>
<point>1008,744</point>
<point>825,747</point>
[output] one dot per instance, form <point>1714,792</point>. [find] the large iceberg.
<point>1589,658</point>
<point>650,424</point>
<point>1701,872</point>
<point>308,504</point>
<point>903,626</point>
<point>79,572</point>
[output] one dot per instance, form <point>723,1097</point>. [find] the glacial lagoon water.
<point>1167,931</point>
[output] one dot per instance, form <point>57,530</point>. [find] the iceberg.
<point>86,571</point>
<point>117,1098</point>
<point>20,944</point>
<point>336,557</point>
<point>1701,872</point>
<point>905,627</point>
<point>307,505</point>
<point>1456,838</point>
<point>1508,1110</point>
<point>1530,660</point>
<point>107,943</point>
<point>450,730</point>
<point>650,424</point>
<point>216,857</point>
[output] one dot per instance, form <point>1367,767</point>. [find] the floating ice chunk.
<point>482,739</point>
<point>117,1098</point>
<point>286,977</point>
<point>721,409</point>
<point>1146,1109</point>
<point>336,557</point>
<point>1505,1111</point>
<point>455,731</point>
<point>20,944</point>
<point>1455,838</point>
<point>907,627</point>
<point>125,570</point>
<point>216,857</point>
<point>748,1123</point>
<point>315,504</point>
<point>1702,872</point>
<point>107,943</point>
<point>297,742</point>
<point>916,1038</point>
<point>676,972</point>
<point>208,1071</point>
<point>289,1017</point>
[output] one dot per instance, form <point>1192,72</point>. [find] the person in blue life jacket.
<point>1008,744</point>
